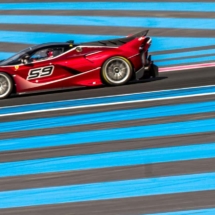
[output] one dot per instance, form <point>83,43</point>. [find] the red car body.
<point>77,64</point>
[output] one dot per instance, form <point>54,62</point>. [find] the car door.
<point>39,71</point>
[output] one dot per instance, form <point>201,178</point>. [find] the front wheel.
<point>116,71</point>
<point>6,85</point>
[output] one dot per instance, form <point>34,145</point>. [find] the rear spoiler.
<point>117,42</point>
<point>139,34</point>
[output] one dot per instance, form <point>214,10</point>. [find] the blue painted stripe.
<point>186,61</point>
<point>4,55</point>
<point>149,22</point>
<point>41,37</point>
<point>108,190</point>
<point>110,116</point>
<point>107,160</point>
<point>208,211</point>
<point>183,54</point>
<point>144,6</point>
<point>169,43</point>
<point>159,130</point>
<point>159,43</point>
<point>107,100</point>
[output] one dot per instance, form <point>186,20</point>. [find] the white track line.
<point>100,97</point>
<point>105,104</point>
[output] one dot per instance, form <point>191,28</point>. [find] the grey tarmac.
<point>168,80</point>
<point>107,174</point>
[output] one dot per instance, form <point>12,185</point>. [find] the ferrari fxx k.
<point>54,66</point>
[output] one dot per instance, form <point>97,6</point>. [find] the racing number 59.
<point>40,72</point>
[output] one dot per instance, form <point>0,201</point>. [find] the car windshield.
<point>36,53</point>
<point>15,58</point>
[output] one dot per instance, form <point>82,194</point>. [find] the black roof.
<point>44,45</point>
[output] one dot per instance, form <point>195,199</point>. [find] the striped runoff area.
<point>142,6</point>
<point>182,32</point>
<point>135,158</point>
<point>150,153</point>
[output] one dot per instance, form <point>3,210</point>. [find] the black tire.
<point>116,71</point>
<point>6,85</point>
<point>152,73</point>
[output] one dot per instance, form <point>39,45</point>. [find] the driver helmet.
<point>50,53</point>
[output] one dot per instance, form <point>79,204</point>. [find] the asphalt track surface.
<point>153,170</point>
<point>136,205</point>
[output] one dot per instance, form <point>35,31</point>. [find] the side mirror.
<point>25,59</point>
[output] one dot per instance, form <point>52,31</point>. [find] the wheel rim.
<point>117,70</point>
<point>4,85</point>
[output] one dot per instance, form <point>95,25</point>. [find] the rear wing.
<point>117,42</point>
<point>139,34</point>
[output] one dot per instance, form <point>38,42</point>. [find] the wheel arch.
<point>120,56</point>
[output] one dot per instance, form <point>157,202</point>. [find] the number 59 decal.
<point>40,72</point>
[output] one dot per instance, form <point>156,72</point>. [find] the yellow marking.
<point>16,67</point>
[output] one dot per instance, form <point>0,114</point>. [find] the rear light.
<point>146,43</point>
<point>144,51</point>
<point>149,41</point>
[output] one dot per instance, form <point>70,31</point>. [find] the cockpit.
<point>37,53</point>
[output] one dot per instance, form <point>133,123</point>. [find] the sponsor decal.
<point>16,67</point>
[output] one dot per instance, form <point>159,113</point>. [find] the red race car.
<point>63,65</point>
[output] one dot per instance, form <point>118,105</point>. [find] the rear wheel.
<point>6,85</point>
<point>116,71</point>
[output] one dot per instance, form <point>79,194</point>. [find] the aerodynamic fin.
<point>117,42</point>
